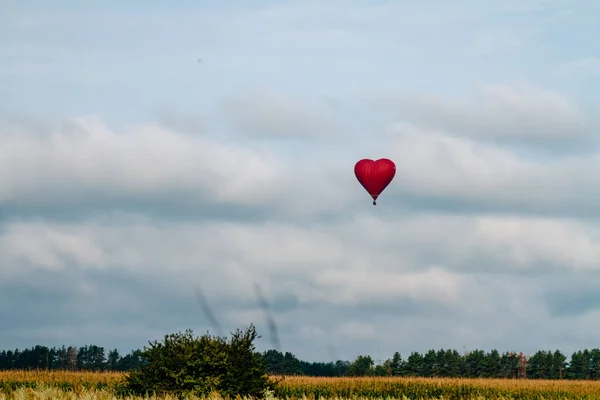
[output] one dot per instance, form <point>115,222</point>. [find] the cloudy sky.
<point>132,174</point>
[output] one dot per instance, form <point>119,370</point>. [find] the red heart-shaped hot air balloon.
<point>375,176</point>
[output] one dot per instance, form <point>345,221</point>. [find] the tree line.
<point>85,358</point>
<point>583,364</point>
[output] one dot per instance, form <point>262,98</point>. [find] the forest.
<point>583,364</point>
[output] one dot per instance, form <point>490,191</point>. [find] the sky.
<point>133,174</point>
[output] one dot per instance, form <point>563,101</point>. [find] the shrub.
<point>186,365</point>
<point>246,369</point>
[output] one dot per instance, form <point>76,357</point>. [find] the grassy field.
<point>92,386</point>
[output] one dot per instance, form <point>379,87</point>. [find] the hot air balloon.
<point>375,176</point>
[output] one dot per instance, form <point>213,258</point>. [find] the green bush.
<point>186,365</point>
<point>246,369</point>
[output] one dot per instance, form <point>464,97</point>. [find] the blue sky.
<point>133,173</point>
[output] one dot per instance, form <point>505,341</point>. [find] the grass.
<point>64,385</point>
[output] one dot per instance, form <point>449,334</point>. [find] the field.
<point>92,386</point>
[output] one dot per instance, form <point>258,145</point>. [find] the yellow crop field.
<point>89,385</point>
<point>432,388</point>
<point>57,377</point>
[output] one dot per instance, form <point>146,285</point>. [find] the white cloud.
<point>47,248</point>
<point>489,224</point>
<point>526,242</point>
<point>268,115</point>
<point>403,264</point>
<point>88,158</point>
<point>501,112</point>
<point>440,166</point>
<point>353,287</point>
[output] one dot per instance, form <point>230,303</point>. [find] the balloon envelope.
<point>375,176</point>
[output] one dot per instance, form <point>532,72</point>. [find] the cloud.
<point>164,210</point>
<point>87,161</point>
<point>130,175</point>
<point>440,170</point>
<point>268,115</point>
<point>575,297</point>
<point>359,274</point>
<point>502,113</point>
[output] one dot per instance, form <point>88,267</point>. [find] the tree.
<point>132,361</point>
<point>245,372</point>
<point>414,364</point>
<point>291,365</point>
<point>509,362</point>
<point>492,365</point>
<point>180,365</point>
<point>97,358</point>
<point>536,365</point>
<point>430,365</point>
<point>522,365</point>
<point>362,366</point>
<point>397,364</point>
<point>274,360</point>
<point>456,363</point>
<point>112,362</point>
<point>474,363</point>
<point>595,363</point>
<point>559,363</point>
<point>187,365</point>
<point>384,369</point>
<point>71,358</point>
